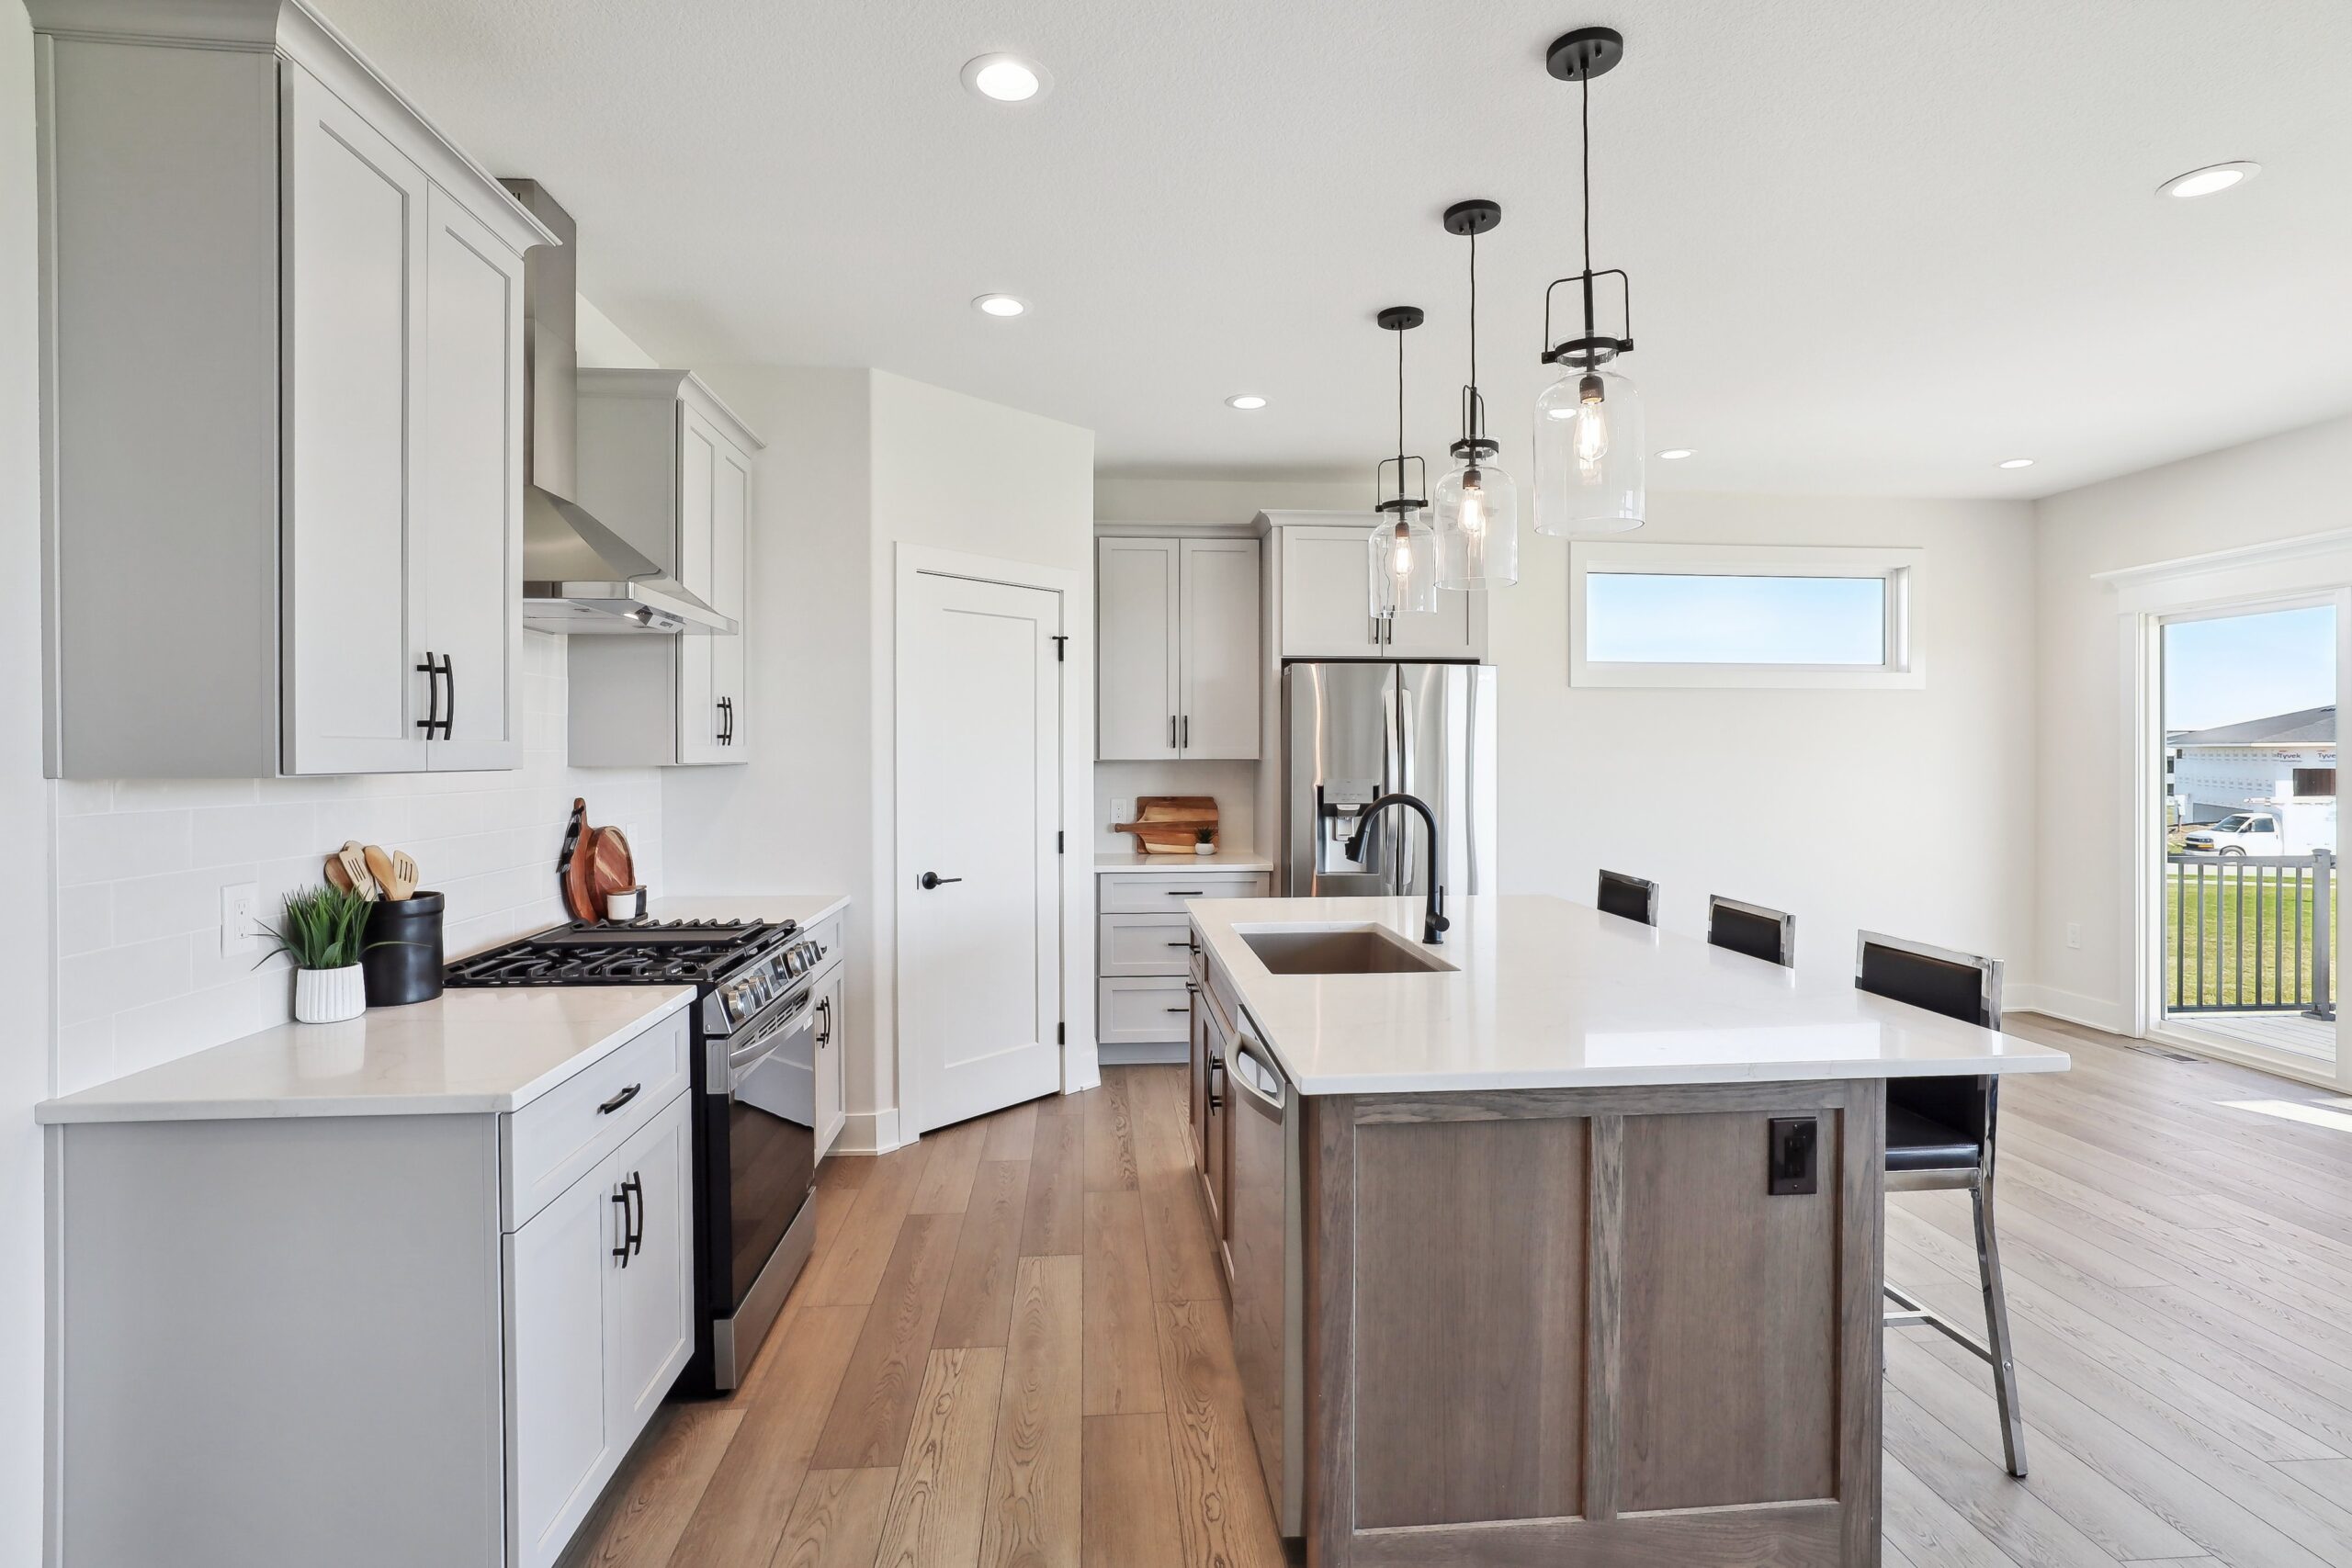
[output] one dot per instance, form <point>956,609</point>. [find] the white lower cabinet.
<point>598,1326</point>
<point>831,1029</point>
<point>1143,950</point>
<point>371,1340</point>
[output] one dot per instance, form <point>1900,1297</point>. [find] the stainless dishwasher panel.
<point>1264,1229</point>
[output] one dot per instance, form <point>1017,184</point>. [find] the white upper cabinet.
<point>1326,609</point>
<point>668,467</point>
<point>283,327</point>
<point>1177,669</point>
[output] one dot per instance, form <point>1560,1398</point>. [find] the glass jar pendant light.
<point>1476,503</point>
<point>1588,456</point>
<point>1403,550</point>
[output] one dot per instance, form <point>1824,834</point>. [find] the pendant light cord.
<point>1587,174</point>
<point>1400,415</point>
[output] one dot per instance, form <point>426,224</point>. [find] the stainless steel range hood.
<point>579,576</point>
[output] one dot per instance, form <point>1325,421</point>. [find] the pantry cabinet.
<point>1177,669</point>
<point>667,466</point>
<point>1325,599</point>
<point>283,327</point>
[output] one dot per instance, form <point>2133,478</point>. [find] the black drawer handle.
<point>1186,1008</point>
<point>1182,944</point>
<point>1187,892</point>
<point>619,1099</point>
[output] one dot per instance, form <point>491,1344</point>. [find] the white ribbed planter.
<point>329,996</point>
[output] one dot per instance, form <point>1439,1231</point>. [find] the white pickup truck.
<point>2262,833</point>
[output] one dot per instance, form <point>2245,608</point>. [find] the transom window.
<point>1667,614</point>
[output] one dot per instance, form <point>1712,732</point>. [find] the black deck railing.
<point>2250,933</point>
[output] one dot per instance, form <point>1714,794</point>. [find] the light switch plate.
<point>239,933</point>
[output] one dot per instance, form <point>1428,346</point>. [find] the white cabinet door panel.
<point>467,560</point>
<point>1218,652</point>
<point>354,265</point>
<point>698,712</point>
<point>649,1314</point>
<point>1450,631</point>
<point>557,1447</point>
<point>831,1023</point>
<point>1143,944</point>
<point>1137,700</point>
<point>1142,1012</point>
<point>1327,601</point>
<point>730,509</point>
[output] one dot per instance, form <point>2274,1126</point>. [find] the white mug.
<point>628,904</point>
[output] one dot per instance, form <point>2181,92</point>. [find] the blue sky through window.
<point>2240,667</point>
<point>1664,618</point>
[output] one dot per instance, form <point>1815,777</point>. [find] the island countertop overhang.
<point>1542,993</point>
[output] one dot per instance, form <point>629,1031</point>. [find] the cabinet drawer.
<point>1147,1011</point>
<point>1143,944</point>
<point>560,1136</point>
<point>1129,893</point>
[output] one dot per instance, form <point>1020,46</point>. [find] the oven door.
<point>771,1138</point>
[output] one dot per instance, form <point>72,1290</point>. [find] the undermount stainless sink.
<point>1339,950</point>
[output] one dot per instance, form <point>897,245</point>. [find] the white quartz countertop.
<point>1224,860</point>
<point>465,1052</point>
<point>805,907</point>
<point>1547,994</point>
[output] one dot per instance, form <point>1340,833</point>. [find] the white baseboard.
<point>870,1132</point>
<point>1143,1056</point>
<point>2094,1012</point>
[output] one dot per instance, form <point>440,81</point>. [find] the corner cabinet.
<point>1325,599</point>
<point>392,1339</point>
<point>667,466</point>
<point>282,327</point>
<point>1176,651</point>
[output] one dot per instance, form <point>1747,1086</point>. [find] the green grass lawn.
<point>2233,965</point>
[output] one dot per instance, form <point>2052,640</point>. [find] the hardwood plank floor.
<point>2179,1242</point>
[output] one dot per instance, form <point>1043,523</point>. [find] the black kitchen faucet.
<point>1433,923</point>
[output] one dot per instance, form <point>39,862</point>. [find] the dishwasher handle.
<point>1268,1092</point>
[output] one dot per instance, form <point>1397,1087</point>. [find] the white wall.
<point>24,915</point>
<point>2279,488</point>
<point>1851,809</point>
<point>858,463</point>
<point>1233,785</point>
<point>140,865</point>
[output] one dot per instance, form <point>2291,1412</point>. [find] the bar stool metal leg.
<point>2003,1356</point>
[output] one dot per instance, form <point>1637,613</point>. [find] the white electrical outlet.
<point>1123,810</point>
<point>239,932</point>
<point>2074,934</point>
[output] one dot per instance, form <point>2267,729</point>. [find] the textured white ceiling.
<point>1877,245</point>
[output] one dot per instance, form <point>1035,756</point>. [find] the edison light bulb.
<point>1474,503</point>
<point>1400,558</point>
<point>1592,424</point>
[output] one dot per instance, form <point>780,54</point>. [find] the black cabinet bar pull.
<point>619,1099</point>
<point>621,1197</point>
<point>450,675</point>
<point>636,1184</point>
<point>431,670</point>
<point>1184,892</point>
<point>1186,732</point>
<point>1171,732</point>
<point>1183,944</point>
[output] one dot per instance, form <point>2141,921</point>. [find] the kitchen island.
<point>1559,1242</point>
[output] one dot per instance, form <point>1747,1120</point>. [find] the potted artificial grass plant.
<point>321,930</point>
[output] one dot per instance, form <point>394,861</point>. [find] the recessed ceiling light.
<point>1245,400</point>
<point>2207,180</point>
<point>1006,78</point>
<point>999,305</point>
<point>2017,462</point>
<point>1676,454</point>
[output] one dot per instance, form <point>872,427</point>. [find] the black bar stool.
<point>1628,898</point>
<point>1752,929</point>
<point>1940,1135</point>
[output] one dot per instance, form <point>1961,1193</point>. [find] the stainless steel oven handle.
<point>769,1038</point>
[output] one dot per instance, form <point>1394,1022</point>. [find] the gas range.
<point>739,966</point>
<point>764,1008</point>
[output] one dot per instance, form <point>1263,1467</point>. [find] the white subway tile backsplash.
<point>140,865</point>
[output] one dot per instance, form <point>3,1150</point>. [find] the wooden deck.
<point>2285,1032</point>
<point>1009,1349</point>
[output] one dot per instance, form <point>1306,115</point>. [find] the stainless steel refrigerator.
<point>1354,732</point>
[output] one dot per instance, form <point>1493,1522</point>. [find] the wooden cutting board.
<point>1170,824</point>
<point>594,862</point>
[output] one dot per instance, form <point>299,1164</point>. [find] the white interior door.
<point>978,802</point>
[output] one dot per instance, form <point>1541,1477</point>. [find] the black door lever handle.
<point>931,879</point>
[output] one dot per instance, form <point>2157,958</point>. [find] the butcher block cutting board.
<point>1170,824</point>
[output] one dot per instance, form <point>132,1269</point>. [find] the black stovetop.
<point>622,952</point>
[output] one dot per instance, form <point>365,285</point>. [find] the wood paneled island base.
<point>1575,1327</point>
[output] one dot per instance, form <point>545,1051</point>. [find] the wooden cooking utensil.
<point>355,865</point>
<point>404,868</point>
<point>386,871</point>
<point>337,877</point>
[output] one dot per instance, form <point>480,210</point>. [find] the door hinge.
<point>1062,647</point>
<point>1061,1033</point>
<point>1058,844</point>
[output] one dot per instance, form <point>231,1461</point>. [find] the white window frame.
<point>1899,568</point>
